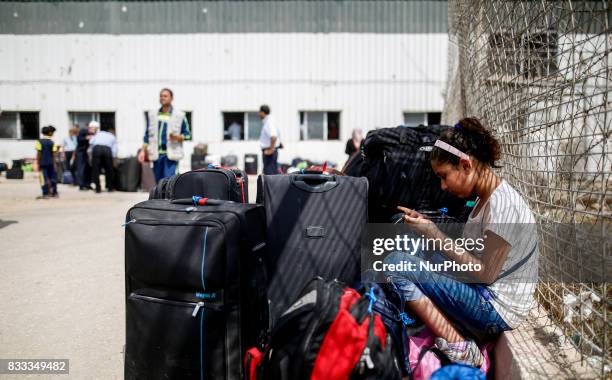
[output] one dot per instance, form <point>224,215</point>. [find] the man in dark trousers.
<point>83,176</point>
<point>45,154</point>
<point>269,141</point>
<point>103,148</point>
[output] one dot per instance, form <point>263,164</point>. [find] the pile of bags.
<point>220,288</point>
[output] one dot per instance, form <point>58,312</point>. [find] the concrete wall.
<point>370,78</point>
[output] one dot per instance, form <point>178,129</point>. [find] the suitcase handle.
<point>314,183</point>
<point>199,201</point>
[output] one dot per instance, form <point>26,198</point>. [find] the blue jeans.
<point>465,304</point>
<point>163,167</point>
<point>269,163</point>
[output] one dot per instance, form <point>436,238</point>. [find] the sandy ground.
<point>62,277</point>
<point>61,271</point>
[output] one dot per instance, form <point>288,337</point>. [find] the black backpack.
<point>397,165</point>
<point>213,182</point>
<point>159,190</point>
<point>312,334</point>
<point>353,165</point>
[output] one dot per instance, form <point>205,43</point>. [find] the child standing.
<point>45,155</point>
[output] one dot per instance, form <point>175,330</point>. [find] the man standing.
<point>269,141</point>
<point>82,161</point>
<point>165,132</point>
<point>103,149</point>
<point>69,146</point>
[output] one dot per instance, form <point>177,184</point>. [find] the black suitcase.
<point>14,173</point>
<point>127,174</point>
<point>353,165</point>
<point>195,289</point>
<point>314,228</point>
<point>397,165</point>
<point>212,182</point>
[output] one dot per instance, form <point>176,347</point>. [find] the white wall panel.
<point>370,78</point>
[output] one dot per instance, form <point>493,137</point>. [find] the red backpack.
<point>329,333</point>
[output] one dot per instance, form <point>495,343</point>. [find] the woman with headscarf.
<point>354,143</point>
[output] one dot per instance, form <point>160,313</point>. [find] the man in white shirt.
<point>69,146</point>
<point>103,148</point>
<point>269,141</point>
<point>235,131</point>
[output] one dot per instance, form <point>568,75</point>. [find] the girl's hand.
<point>419,223</point>
<point>413,217</point>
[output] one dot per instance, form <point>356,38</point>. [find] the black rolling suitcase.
<point>127,174</point>
<point>212,182</point>
<point>398,167</point>
<point>314,227</point>
<point>15,172</point>
<point>195,289</point>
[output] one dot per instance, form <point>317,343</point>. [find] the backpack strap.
<point>516,266</point>
<point>444,359</point>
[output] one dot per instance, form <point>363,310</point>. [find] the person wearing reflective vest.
<point>165,131</point>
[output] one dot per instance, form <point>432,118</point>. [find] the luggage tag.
<point>315,232</point>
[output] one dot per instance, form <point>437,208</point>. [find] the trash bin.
<point>250,163</point>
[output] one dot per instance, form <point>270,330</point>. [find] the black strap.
<point>519,264</point>
<point>444,359</point>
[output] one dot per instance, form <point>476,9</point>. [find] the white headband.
<point>451,149</point>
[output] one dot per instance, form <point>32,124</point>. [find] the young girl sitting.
<point>498,296</point>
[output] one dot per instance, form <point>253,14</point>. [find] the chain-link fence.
<point>538,73</point>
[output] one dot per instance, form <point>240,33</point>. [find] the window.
<point>106,119</point>
<point>413,119</point>
<point>19,125</point>
<point>530,54</point>
<point>187,116</point>
<point>504,54</point>
<point>319,125</point>
<point>241,126</point>
<point>540,50</point>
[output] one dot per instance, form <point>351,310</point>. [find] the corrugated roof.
<point>146,17</point>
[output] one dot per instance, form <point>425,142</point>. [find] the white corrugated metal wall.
<point>370,60</point>
<point>370,78</point>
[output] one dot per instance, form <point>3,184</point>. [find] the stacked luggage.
<point>217,288</point>
<point>314,225</point>
<point>396,162</point>
<point>195,284</point>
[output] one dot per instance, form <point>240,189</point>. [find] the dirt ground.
<point>61,276</point>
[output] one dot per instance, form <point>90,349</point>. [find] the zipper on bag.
<point>195,305</point>
<point>158,222</point>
